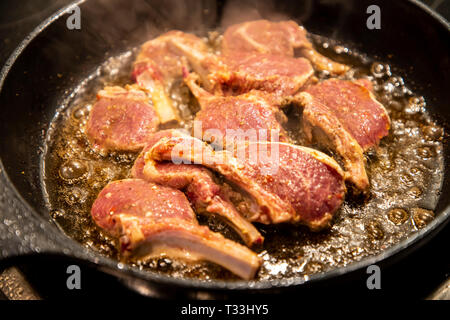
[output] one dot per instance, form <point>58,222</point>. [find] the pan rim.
<point>439,222</point>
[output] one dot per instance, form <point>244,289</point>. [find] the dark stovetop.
<point>415,277</point>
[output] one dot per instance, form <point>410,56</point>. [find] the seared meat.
<point>151,220</point>
<point>356,108</point>
<point>276,74</point>
<point>138,167</point>
<point>277,38</point>
<point>346,117</point>
<point>289,183</point>
<point>168,61</point>
<point>121,119</point>
<point>242,72</point>
<point>325,128</point>
<point>236,118</point>
<point>264,36</point>
<point>157,66</point>
<point>197,182</point>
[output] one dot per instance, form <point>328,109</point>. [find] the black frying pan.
<point>31,91</point>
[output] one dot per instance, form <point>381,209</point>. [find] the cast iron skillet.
<point>411,35</point>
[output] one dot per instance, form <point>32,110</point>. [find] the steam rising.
<point>140,20</point>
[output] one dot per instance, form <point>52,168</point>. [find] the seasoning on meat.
<point>345,116</point>
<point>290,183</point>
<point>245,71</point>
<point>197,182</point>
<point>150,220</point>
<point>121,119</point>
<point>356,108</point>
<point>227,120</point>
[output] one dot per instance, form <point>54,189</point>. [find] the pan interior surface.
<point>59,72</point>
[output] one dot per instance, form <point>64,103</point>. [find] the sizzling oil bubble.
<point>57,213</point>
<point>415,105</point>
<point>414,171</point>
<point>380,70</point>
<point>374,230</point>
<point>75,196</point>
<point>356,251</point>
<point>314,267</point>
<point>421,217</point>
<point>386,164</point>
<point>73,170</point>
<point>163,264</point>
<point>414,192</point>
<point>340,49</point>
<point>395,87</point>
<point>433,132</point>
<point>419,101</point>
<point>426,152</point>
<point>405,179</point>
<point>398,216</point>
<point>80,113</point>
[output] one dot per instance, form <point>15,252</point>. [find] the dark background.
<point>415,277</point>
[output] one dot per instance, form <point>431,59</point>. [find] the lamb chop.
<point>345,116</point>
<point>288,183</point>
<point>225,120</point>
<point>243,72</point>
<point>157,66</point>
<point>121,119</point>
<point>197,182</point>
<point>356,107</point>
<point>152,220</point>
<point>277,38</point>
